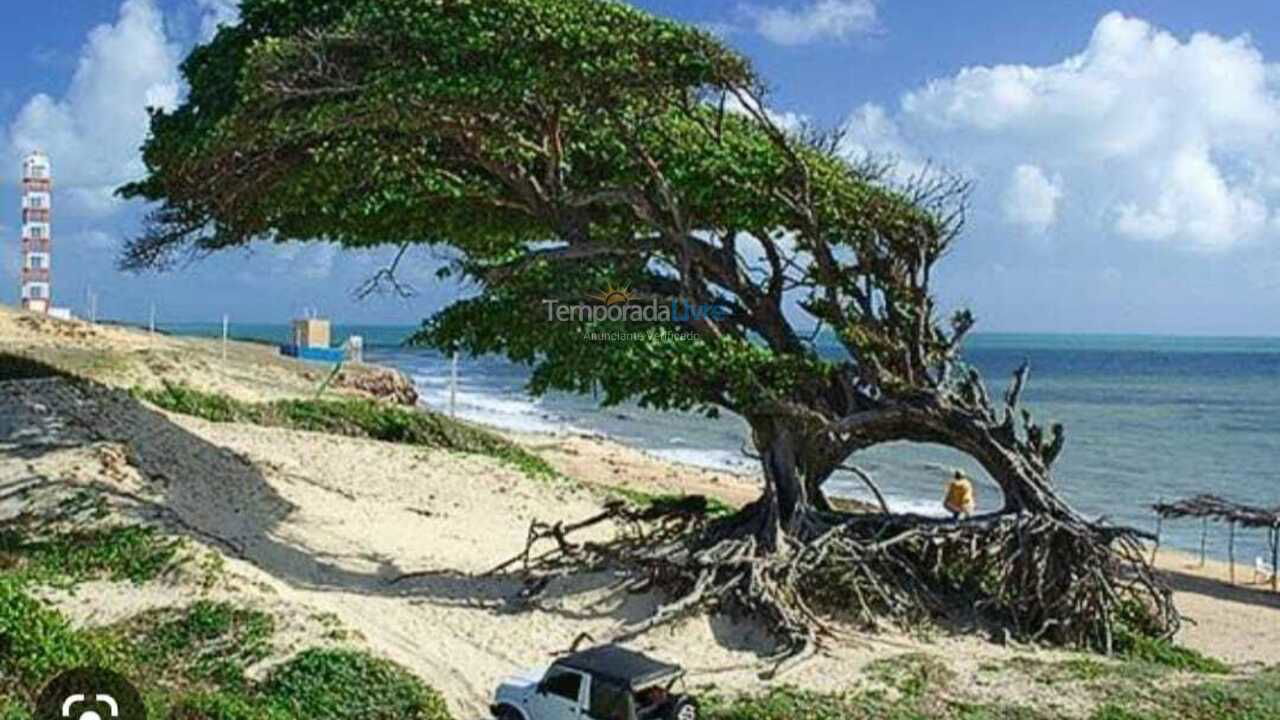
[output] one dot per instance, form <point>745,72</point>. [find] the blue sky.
<point>1126,155</point>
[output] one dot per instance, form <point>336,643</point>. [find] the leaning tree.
<point>566,147</point>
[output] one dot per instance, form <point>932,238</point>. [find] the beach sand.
<point>318,525</point>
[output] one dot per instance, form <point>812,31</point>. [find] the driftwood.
<point>1039,577</point>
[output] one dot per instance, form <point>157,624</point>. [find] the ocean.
<point>1147,418</point>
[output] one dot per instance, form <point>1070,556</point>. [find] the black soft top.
<point>619,666</point>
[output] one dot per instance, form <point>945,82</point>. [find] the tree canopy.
<point>565,148</point>
<point>531,133</point>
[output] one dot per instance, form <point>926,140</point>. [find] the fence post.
<point>1231,551</point>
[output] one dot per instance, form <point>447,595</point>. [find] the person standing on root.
<point>959,501</point>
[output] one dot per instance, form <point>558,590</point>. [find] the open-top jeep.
<point>603,683</point>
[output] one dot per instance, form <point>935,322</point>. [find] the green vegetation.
<point>1253,698</point>
<point>1165,653</point>
<point>189,662</point>
<point>117,552</point>
<point>353,417</point>
<point>647,500</point>
<point>348,685</point>
<point>206,642</point>
<point>192,662</point>
<point>912,675</point>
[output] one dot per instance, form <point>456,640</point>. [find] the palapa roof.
<point>1212,507</point>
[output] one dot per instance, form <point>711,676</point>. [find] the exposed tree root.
<point>1041,578</point>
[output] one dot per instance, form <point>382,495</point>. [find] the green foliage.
<point>35,641</point>
<point>354,418</point>
<point>208,641</point>
<point>786,703</point>
<point>347,685</point>
<point>1252,698</point>
<point>12,709</point>
<point>503,126</point>
<point>69,556</point>
<point>1165,653</point>
<point>190,663</point>
<point>1256,697</point>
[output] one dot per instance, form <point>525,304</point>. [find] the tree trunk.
<point>786,496</point>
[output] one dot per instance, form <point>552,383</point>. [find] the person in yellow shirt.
<point>960,501</point>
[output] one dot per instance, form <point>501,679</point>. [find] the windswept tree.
<point>564,147</point>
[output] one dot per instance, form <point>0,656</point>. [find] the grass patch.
<point>191,663</point>
<point>209,641</point>
<point>646,501</point>
<point>1166,653</point>
<point>347,685</point>
<point>37,642</point>
<point>912,674</point>
<point>120,552</point>
<point>70,545</point>
<point>794,704</point>
<point>352,417</point>
<point>1252,698</point>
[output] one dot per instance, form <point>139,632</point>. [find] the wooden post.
<point>1231,550</point>
<point>1204,534</point>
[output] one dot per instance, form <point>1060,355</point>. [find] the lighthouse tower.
<point>37,243</point>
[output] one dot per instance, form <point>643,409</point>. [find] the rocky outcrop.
<point>382,383</point>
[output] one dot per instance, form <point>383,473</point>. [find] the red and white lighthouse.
<point>37,241</point>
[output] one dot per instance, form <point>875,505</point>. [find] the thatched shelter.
<point>1211,508</point>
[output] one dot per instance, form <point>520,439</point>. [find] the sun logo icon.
<point>614,296</point>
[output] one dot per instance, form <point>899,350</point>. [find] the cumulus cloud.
<point>821,20</point>
<point>92,133</point>
<point>1031,199</point>
<point>1155,138</point>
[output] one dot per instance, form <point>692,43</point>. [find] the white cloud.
<point>821,20</point>
<point>1155,138</point>
<point>1031,199</point>
<point>93,132</point>
<point>871,133</point>
<point>215,13</point>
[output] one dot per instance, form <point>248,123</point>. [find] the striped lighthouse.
<point>37,241</point>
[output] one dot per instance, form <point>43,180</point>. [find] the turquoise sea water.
<point>1147,417</point>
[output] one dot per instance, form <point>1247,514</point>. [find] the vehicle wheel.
<point>683,709</point>
<point>507,713</point>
